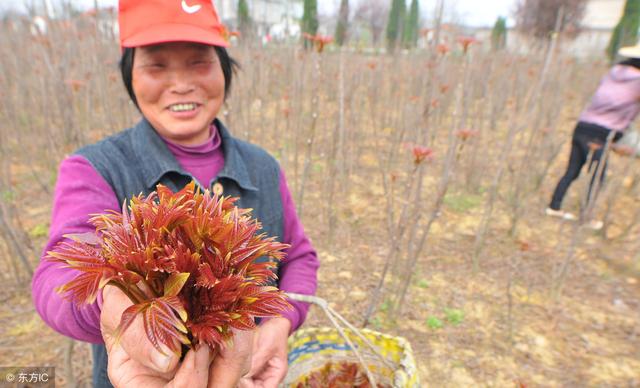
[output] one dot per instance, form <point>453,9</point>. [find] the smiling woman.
<point>177,71</point>
<point>179,88</point>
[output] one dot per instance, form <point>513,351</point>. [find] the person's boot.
<point>560,214</point>
<point>594,225</point>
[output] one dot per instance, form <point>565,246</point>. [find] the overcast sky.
<point>471,12</point>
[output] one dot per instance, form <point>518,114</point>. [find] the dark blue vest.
<point>134,161</point>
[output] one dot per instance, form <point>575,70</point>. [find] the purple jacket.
<point>81,191</point>
<point>616,102</point>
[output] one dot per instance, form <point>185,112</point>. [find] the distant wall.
<point>589,44</point>
<point>603,14</point>
<point>601,17</point>
<point>264,13</point>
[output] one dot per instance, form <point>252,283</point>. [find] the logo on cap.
<point>190,8</point>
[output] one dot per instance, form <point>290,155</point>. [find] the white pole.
<point>49,9</point>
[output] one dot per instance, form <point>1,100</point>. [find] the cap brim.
<point>630,52</point>
<point>163,33</point>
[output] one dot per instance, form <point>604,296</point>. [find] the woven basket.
<point>389,359</point>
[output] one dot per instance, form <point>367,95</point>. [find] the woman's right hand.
<point>134,361</point>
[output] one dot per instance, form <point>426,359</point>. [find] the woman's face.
<point>179,87</point>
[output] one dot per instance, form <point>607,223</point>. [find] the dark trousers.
<point>100,377</point>
<point>583,134</point>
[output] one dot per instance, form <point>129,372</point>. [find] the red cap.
<point>145,22</point>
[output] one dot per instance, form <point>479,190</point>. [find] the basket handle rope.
<point>334,317</point>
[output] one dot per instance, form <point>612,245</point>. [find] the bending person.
<point>613,107</point>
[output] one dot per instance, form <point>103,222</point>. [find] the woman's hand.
<point>134,361</point>
<point>269,361</point>
<point>233,362</point>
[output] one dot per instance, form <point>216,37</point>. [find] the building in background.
<point>600,19</point>
<point>278,19</point>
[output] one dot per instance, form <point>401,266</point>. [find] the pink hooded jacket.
<point>616,102</point>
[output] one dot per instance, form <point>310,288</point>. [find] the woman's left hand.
<point>269,359</point>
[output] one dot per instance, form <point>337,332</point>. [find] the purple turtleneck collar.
<point>204,161</point>
<point>210,145</point>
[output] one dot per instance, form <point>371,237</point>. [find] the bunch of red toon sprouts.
<point>187,261</point>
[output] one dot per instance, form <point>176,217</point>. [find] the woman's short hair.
<point>228,64</point>
<point>635,62</point>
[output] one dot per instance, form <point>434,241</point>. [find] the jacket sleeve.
<point>80,191</point>
<point>299,270</point>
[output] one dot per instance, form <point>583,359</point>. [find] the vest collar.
<point>234,166</point>
<point>156,159</point>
